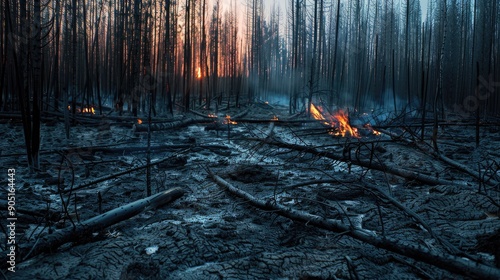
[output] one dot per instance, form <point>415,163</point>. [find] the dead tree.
<point>186,76</point>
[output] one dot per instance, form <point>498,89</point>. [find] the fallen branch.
<point>411,175</point>
<point>125,150</point>
<point>108,177</point>
<point>241,114</point>
<point>445,261</point>
<point>200,114</point>
<point>165,126</point>
<point>49,243</point>
<point>296,122</point>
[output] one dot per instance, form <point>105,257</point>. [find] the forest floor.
<point>209,233</point>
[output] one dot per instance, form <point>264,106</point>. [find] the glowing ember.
<point>198,72</point>
<point>227,120</point>
<point>212,115</point>
<point>139,121</point>
<point>369,127</point>
<point>275,118</point>
<point>88,110</point>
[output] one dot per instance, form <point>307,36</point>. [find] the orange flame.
<point>228,120</point>
<point>340,121</point>
<point>212,115</point>
<point>344,126</point>
<point>316,113</point>
<point>139,121</point>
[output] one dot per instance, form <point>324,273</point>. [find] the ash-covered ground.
<point>211,234</point>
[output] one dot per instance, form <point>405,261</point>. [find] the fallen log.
<point>105,117</point>
<point>50,242</point>
<point>270,131</point>
<point>278,121</point>
<point>296,115</point>
<point>201,114</point>
<point>241,114</point>
<point>166,126</point>
<point>125,150</point>
<point>448,262</point>
<point>411,175</point>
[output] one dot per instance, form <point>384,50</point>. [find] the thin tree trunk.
<point>37,85</point>
<point>312,75</point>
<point>335,48</point>
<point>187,57</point>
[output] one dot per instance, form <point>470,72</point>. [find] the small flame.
<point>316,113</point>
<point>275,118</point>
<point>344,126</point>
<point>228,120</point>
<point>139,121</point>
<point>198,72</point>
<point>212,115</point>
<point>340,121</point>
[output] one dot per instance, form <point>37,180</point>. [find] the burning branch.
<point>339,121</point>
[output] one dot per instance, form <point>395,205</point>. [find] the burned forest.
<point>250,139</point>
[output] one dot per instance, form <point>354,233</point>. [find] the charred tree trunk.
<point>186,77</point>
<point>137,91</point>
<point>312,76</point>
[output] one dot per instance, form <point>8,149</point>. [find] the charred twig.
<point>352,268</point>
<point>419,271</point>
<point>60,189</point>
